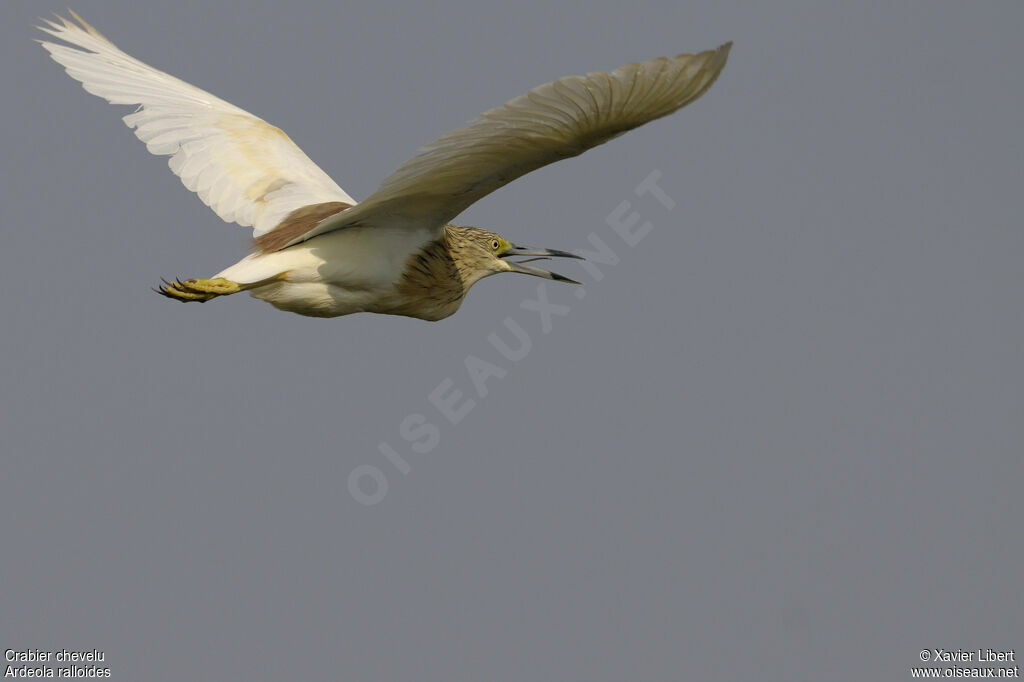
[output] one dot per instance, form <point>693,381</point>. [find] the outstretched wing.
<point>245,169</point>
<point>551,122</point>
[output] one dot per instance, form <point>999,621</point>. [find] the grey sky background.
<point>780,439</point>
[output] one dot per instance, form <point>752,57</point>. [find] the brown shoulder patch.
<point>297,223</point>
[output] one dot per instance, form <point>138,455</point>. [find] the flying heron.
<point>316,250</point>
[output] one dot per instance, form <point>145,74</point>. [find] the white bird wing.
<point>554,121</point>
<point>245,169</point>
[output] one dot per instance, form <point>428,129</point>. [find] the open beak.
<point>538,254</point>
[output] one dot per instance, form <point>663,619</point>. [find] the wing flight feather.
<point>554,121</point>
<point>245,169</point>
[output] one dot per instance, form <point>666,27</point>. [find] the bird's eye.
<point>495,244</point>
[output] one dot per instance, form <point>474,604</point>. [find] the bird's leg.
<point>203,290</point>
<point>200,289</point>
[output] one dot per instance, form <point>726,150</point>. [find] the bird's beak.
<point>538,254</point>
<point>542,253</point>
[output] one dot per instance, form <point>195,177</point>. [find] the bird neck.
<point>462,252</point>
<point>433,282</point>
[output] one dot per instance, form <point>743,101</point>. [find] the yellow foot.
<point>198,289</point>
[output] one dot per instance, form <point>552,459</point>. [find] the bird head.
<point>488,253</point>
